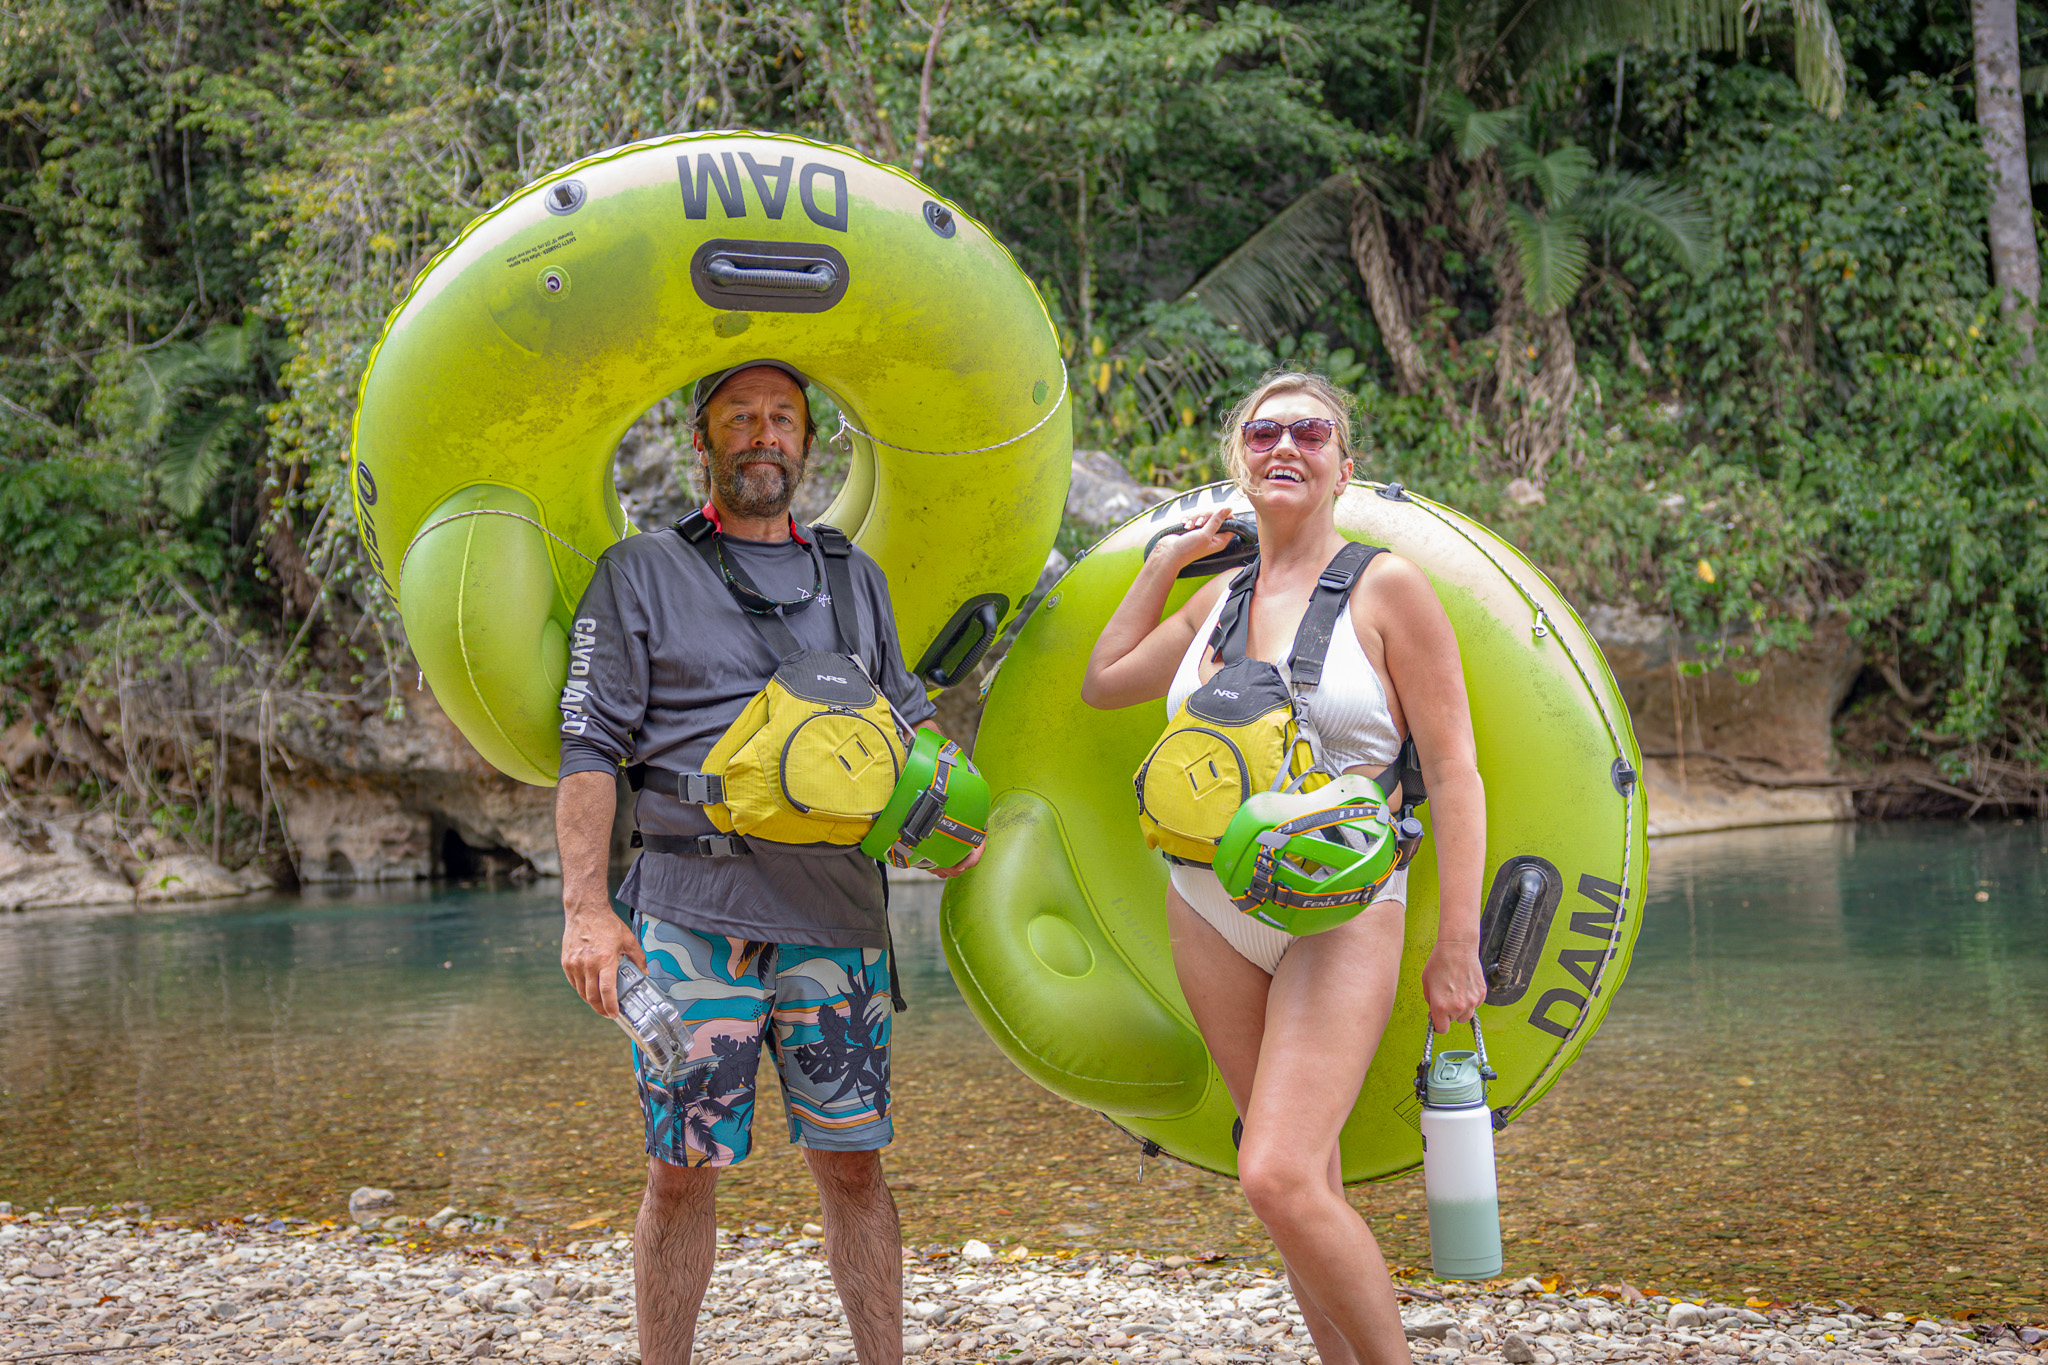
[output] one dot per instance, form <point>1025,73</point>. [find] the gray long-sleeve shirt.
<point>662,660</point>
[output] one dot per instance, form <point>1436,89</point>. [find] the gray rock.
<point>443,1218</point>
<point>1434,1330</point>
<point>1516,1349</point>
<point>49,879</point>
<point>46,1270</point>
<point>185,877</point>
<point>651,470</point>
<point>1685,1315</point>
<point>369,1197</point>
<point>256,878</point>
<point>1103,493</point>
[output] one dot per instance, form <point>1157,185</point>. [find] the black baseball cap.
<point>709,384</point>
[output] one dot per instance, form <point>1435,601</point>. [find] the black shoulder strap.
<point>701,535</point>
<point>695,526</point>
<point>1325,609</point>
<point>1234,623</point>
<point>1404,772</point>
<point>838,552</point>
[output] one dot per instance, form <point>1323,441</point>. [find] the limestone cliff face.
<point>1720,753</point>
<point>378,802</point>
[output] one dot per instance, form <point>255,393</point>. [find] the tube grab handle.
<point>964,641</point>
<point>818,279</point>
<point>1244,531</point>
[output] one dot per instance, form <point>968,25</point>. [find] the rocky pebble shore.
<point>121,1287</point>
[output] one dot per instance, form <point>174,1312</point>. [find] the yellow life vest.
<point>816,754</point>
<point>1248,729</point>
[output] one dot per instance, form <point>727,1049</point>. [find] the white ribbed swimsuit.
<point>1351,716</point>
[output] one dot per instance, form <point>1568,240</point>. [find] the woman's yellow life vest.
<point>1250,727</point>
<point>815,755</point>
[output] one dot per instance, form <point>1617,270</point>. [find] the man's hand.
<point>944,872</point>
<point>593,937</point>
<point>593,941</point>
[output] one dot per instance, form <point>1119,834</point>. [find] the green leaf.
<point>1670,218</point>
<point>1552,250</point>
<point>1474,132</point>
<point>196,446</point>
<point>1817,56</point>
<point>1547,40</point>
<point>1557,177</point>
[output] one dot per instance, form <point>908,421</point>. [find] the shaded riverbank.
<point>1825,1077</point>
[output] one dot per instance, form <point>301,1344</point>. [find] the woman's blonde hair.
<point>1341,405</point>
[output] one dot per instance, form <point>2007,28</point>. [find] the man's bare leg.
<point>675,1243</point>
<point>864,1246</point>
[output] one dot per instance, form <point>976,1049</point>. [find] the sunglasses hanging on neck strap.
<point>751,598</point>
<point>830,553</point>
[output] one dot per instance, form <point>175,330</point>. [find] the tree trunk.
<point>924,92</point>
<point>2015,262</point>
<point>1370,253</point>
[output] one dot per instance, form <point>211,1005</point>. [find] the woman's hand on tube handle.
<point>1453,986</point>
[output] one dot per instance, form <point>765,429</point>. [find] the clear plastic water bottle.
<point>652,1021</point>
<point>1457,1162</point>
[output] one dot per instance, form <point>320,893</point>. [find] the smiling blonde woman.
<point>1293,1023</point>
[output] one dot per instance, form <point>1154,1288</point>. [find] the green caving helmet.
<point>938,814</point>
<point>1304,862</point>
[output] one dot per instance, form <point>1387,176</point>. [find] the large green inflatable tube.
<point>1058,938</point>
<point>494,402</point>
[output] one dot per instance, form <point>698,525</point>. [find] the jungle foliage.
<point>1690,298</point>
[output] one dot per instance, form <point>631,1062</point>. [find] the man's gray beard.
<point>758,493</point>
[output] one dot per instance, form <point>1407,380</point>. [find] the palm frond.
<point>156,378</point>
<point>1643,209</point>
<point>1476,131</point>
<point>196,447</point>
<point>1817,56</point>
<point>1557,177</point>
<point>1274,281</point>
<point>1547,37</point>
<point>2034,81</point>
<point>1552,251</point>
<point>1268,287</point>
<point>226,356</point>
<point>2037,160</point>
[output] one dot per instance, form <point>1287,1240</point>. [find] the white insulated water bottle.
<point>1457,1161</point>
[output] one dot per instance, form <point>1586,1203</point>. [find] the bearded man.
<point>752,942</point>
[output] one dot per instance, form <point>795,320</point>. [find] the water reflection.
<point>1828,1071</point>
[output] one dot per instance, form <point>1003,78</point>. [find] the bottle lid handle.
<point>1486,1072</point>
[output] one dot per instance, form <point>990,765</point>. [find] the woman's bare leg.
<point>1229,998</point>
<point>1325,1012</point>
<point>1330,1343</point>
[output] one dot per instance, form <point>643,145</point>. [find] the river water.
<point>1826,1076</point>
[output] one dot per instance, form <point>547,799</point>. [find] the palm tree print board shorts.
<point>825,1013</point>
